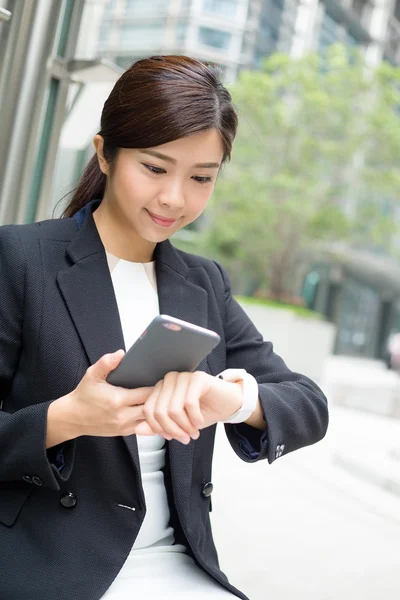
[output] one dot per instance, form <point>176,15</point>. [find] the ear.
<point>98,142</point>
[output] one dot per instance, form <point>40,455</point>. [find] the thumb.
<point>106,364</point>
<point>143,428</point>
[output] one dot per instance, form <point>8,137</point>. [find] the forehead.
<point>203,147</point>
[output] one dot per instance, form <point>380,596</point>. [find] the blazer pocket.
<point>13,495</point>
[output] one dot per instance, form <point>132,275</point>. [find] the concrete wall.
<point>304,344</point>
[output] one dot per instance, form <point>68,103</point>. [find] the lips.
<point>162,221</point>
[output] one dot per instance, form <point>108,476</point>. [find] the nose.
<point>172,196</point>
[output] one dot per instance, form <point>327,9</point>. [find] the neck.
<point>118,238</point>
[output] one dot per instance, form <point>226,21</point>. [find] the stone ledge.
<point>381,470</point>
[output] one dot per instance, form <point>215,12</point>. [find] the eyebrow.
<point>209,165</point>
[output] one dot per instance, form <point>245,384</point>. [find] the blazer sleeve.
<point>23,432</point>
<point>295,409</point>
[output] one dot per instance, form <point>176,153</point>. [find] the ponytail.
<point>91,185</point>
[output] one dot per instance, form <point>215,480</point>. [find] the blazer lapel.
<point>89,294</point>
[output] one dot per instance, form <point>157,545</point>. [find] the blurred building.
<point>239,34</point>
<point>359,292</point>
<point>233,33</point>
<point>373,25</point>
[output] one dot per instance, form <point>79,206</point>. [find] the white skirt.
<point>164,574</point>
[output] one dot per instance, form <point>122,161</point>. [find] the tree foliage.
<point>316,159</point>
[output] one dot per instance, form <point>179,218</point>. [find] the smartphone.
<point>167,344</point>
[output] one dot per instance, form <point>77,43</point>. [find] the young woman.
<point>105,492</point>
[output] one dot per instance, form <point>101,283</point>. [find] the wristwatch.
<point>250,393</point>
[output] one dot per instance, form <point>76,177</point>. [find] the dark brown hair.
<point>156,101</point>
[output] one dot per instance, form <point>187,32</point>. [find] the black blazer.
<point>62,532</point>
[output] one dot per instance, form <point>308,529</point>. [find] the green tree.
<point>316,159</point>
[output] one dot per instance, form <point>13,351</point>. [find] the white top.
<point>156,567</point>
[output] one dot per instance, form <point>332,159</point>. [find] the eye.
<point>202,179</point>
<point>155,170</point>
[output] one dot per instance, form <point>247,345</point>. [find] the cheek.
<point>200,199</point>
<point>132,186</point>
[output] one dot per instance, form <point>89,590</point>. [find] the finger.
<point>160,410</point>
<point>177,406</point>
<point>128,418</point>
<point>192,401</point>
<point>107,363</point>
<point>149,407</point>
<point>143,428</point>
<point>134,397</point>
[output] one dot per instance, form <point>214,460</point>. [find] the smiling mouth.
<point>162,221</point>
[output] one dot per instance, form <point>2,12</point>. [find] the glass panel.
<point>42,151</point>
<point>357,318</point>
<point>109,6</point>
<point>350,40</point>
<point>141,36</point>
<point>397,10</point>
<point>268,30</point>
<point>330,31</point>
<point>125,61</point>
<point>214,37</point>
<point>226,8</point>
<point>358,7</point>
<point>104,32</point>
<point>155,7</point>
<point>65,23</point>
<point>181,31</point>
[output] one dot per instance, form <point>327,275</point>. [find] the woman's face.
<point>156,191</point>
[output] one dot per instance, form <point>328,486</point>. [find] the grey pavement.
<point>309,526</point>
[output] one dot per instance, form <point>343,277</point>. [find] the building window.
<point>215,38</point>
<point>397,10</point>
<point>225,8</point>
<point>125,61</point>
<point>144,37</point>
<point>109,7</point>
<point>181,31</point>
<point>268,31</point>
<point>144,6</point>
<point>104,33</point>
<point>331,32</point>
<point>358,7</point>
<point>350,40</point>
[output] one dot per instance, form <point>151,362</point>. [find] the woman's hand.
<point>183,403</point>
<point>98,408</point>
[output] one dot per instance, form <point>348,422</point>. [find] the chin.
<point>156,238</point>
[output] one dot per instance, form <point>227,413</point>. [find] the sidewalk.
<point>306,528</point>
<point>372,448</point>
<point>362,438</point>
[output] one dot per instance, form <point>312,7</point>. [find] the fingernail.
<point>195,436</point>
<point>184,440</point>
